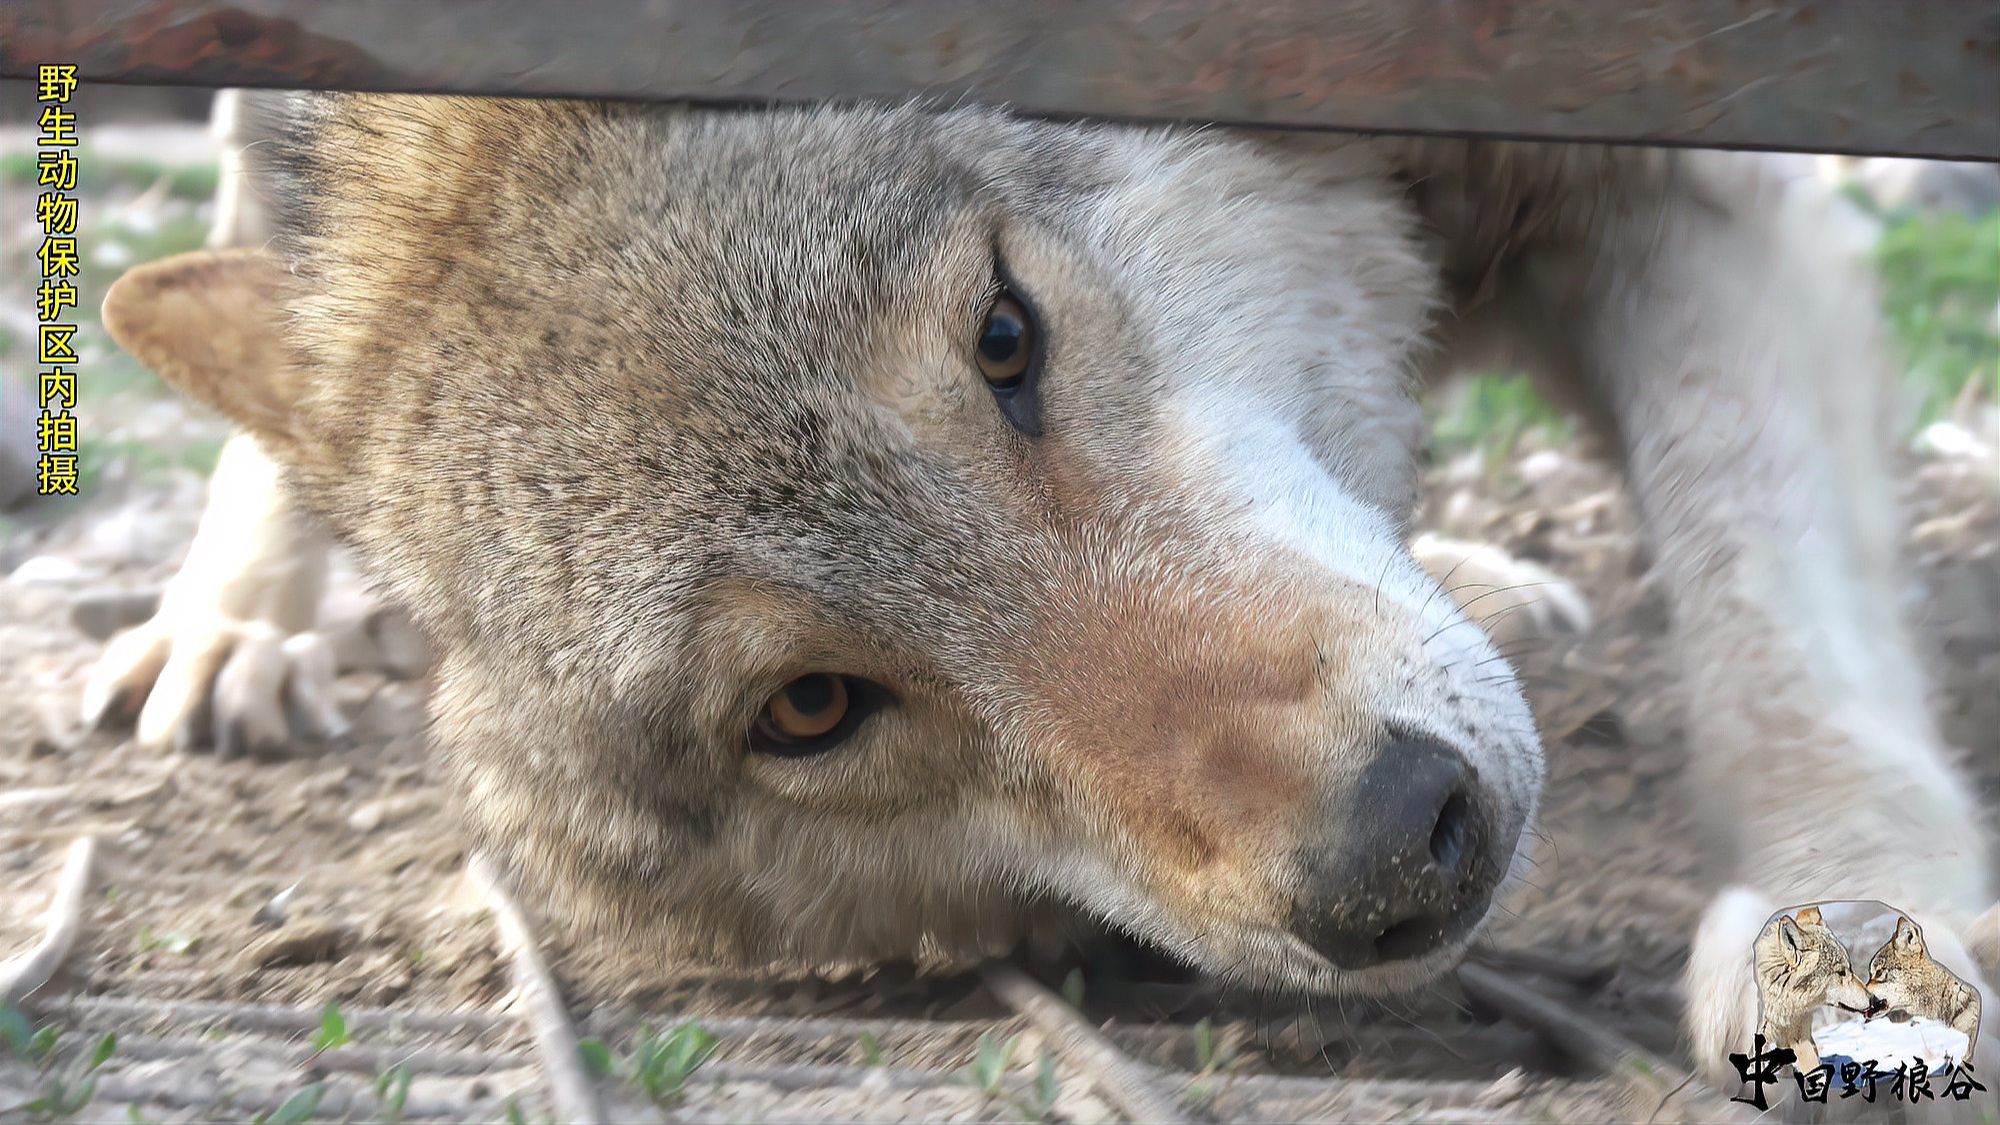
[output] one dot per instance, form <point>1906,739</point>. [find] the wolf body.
<point>782,616</point>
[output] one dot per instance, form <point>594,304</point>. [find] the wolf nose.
<point>1402,870</point>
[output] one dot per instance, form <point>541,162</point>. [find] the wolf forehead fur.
<point>658,275</point>
<point>644,412</point>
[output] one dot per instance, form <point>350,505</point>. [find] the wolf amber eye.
<point>1006,343</point>
<point>809,707</point>
<point>811,715</point>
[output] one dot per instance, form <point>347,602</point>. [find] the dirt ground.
<point>360,839</point>
<point>380,915</point>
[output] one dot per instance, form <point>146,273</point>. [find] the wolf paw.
<point>241,686</point>
<point>1510,598</point>
<point>1719,987</point>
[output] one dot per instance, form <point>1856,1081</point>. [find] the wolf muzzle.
<point>1405,867</point>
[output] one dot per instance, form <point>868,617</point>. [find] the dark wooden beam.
<point>1900,77</point>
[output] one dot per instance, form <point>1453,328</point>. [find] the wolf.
<point>851,532</point>
<point>1801,967</point>
<point>1905,977</point>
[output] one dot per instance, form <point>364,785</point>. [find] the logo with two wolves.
<point>1802,966</point>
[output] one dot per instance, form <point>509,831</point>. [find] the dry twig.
<point>573,1093</point>
<point>1591,1039</point>
<point>32,970</point>
<point>1122,1079</point>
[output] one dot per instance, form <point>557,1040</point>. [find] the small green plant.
<point>597,1058</point>
<point>513,1114</point>
<point>1072,989</point>
<point>661,1064</point>
<point>1491,415</point>
<point>987,1073</point>
<point>332,1029</point>
<point>988,1069</point>
<point>392,1092</point>
<point>1940,282</point>
<point>1210,1052</point>
<point>295,1109</point>
<point>1212,1055</point>
<point>1042,1105</point>
<point>17,1032</point>
<point>871,1049</point>
<point>66,1091</point>
<point>169,941</point>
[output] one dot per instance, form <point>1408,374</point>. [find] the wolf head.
<point>1801,965</point>
<point>1902,969</point>
<point>1904,950</point>
<point>849,532</point>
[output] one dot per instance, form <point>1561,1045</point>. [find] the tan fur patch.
<point>1192,722</point>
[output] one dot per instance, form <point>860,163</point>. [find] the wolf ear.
<point>1794,941</point>
<point>208,323</point>
<point>1907,934</point>
<point>1810,916</point>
